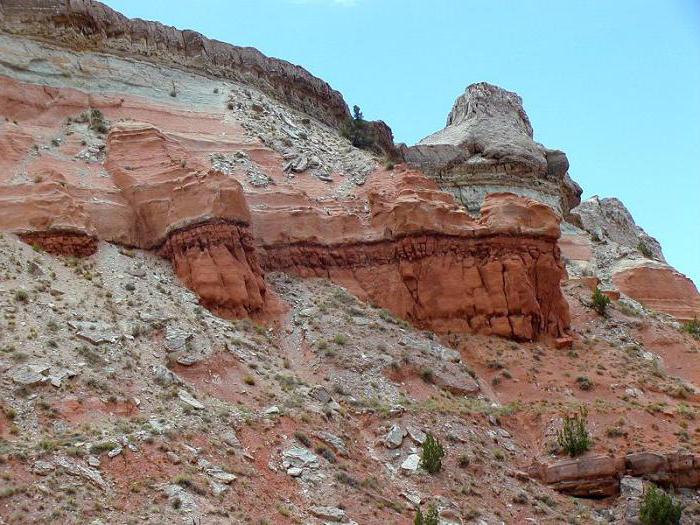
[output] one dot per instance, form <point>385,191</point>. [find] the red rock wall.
<point>62,243</point>
<point>217,260</point>
<point>503,286</point>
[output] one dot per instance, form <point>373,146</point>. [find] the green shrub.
<point>358,131</point>
<point>584,383</point>
<point>430,518</point>
<point>573,438</point>
<point>644,250</point>
<point>600,301</point>
<point>96,121</point>
<point>658,508</point>
<point>432,454</point>
<point>21,296</point>
<point>692,327</point>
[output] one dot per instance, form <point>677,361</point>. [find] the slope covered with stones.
<point>211,302</point>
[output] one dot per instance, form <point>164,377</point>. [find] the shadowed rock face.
<point>486,146</point>
<point>86,24</point>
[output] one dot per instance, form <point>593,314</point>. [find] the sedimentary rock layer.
<point>487,146</point>
<point>151,177</point>
<point>62,242</point>
<point>86,24</point>
<point>219,262</point>
<point>501,286</point>
<point>423,258</point>
<point>660,288</point>
<point>599,476</point>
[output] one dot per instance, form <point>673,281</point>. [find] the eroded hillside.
<point>216,309</point>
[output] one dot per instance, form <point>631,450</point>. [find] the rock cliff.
<point>213,308</point>
<point>228,183</point>
<point>89,25</point>
<point>612,247</point>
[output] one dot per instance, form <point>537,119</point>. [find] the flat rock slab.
<point>30,374</point>
<point>95,332</point>
<point>185,397</point>
<point>334,441</point>
<point>329,513</point>
<point>176,338</point>
<point>394,437</point>
<point>411,463</point>
<point>299,457</point>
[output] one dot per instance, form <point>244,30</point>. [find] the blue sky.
<point>615,84</point>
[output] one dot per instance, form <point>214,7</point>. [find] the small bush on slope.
<point>431,457</point>
<point>573,438</point>
<point>600,301</point>
<point>658,508</point>
<point>430,518</point>
<point>692,327</point>
<point>645,250</point>
<point>358,131</point>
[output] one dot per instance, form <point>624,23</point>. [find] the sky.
<point>614,84</point>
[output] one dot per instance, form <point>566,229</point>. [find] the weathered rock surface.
<point>625,258</point>
<point>660,288</point>
<point>86,24</point>
<point>422,257</point>
<point>161,176</point>
<point>487,146</point>
<point>608,218</point>
<point>599,476</point>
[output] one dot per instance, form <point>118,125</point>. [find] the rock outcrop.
<point>422,257</point>
<point>660,288</point>
<point>217,201</point>
<point>219,262</point>
<point>87,24</point>
<point>487,146</point>
<point>599,476</point>
<point>614,248</point>
<point>609,219</point>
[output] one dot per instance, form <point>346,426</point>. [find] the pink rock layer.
<point>662,289</point>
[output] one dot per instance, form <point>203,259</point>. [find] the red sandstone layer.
<point>62,243</point>
<point>493,286</point>
<point>218,261</point>
<point>417,253</point>
<point>397,240</point>
<point>599,476</point>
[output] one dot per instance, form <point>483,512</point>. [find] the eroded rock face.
<point>599,476</point>
<point>618,251</point>
<point>218,261</point>
<point>487,146</point>
<point>191,177</point>
<point>660,288</point>
<point>608,218</point>
<point>86,24</point>
<point>422,257</point>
